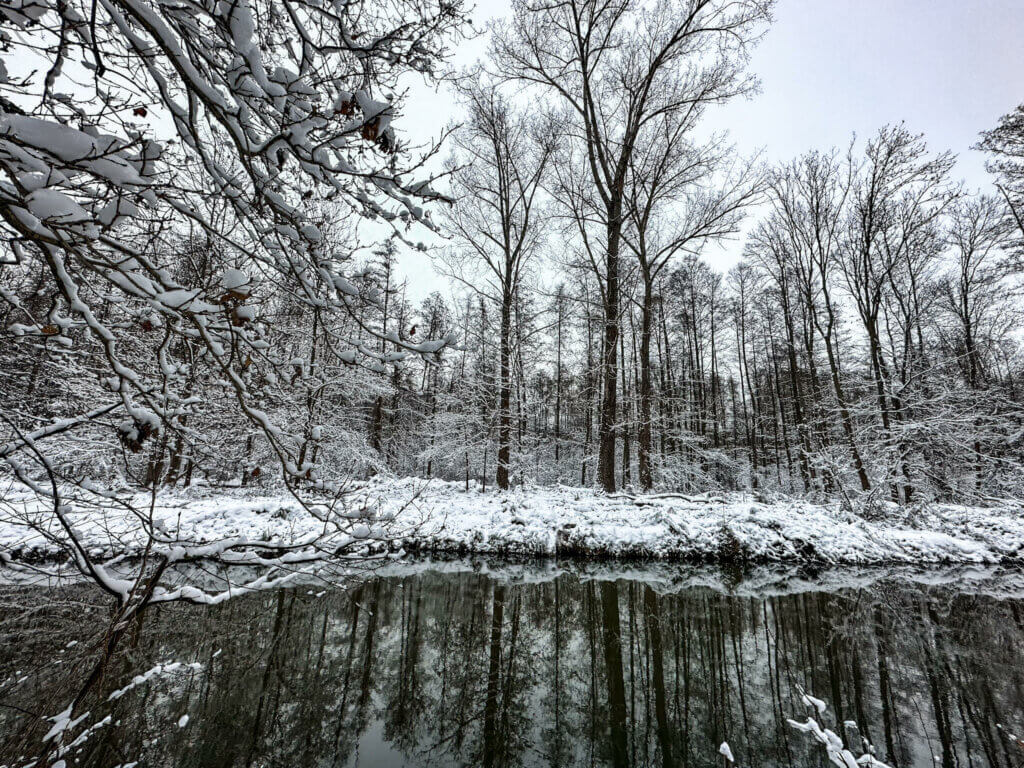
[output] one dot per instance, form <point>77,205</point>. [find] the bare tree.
<point>808,199</point>
<point>500,163</point>
<point>897,195</point>
<point>1005,143</point>
<point>612,68</point>
<point>681,196</point>
<point>976,288</point>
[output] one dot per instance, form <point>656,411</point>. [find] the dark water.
<point>525,667</point>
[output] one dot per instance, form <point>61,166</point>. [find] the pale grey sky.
<point>829,68</point>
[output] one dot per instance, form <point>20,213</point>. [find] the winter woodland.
<point>204,208</point>
<point>216,380</point>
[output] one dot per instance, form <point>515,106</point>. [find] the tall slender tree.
<point>612,68</point>
<point>499,166</point>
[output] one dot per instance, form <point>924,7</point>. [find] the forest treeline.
<point>868,340</point>
<point>867,344</point>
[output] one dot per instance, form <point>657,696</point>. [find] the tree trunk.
<point>558,389</point>
<point>609,369</point>
<point>844,414</point>
<point>644,429</point>
<point>875,350</point>
<point>806,471</point>
<point>505,397</point>
<point>626,407</point>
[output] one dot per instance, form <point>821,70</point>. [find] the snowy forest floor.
<point>441,517</point>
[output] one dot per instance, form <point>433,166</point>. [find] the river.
<point>493,664</point>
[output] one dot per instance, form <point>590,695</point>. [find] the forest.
<point>191,290</point>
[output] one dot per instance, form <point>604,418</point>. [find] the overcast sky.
<point>829,68</point>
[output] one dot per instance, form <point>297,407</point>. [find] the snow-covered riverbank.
<point>441,517</point>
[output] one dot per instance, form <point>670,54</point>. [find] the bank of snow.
<point>549,521</point>
<point>439,517</point>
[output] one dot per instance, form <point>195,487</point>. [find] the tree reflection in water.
<point>465,669</point>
